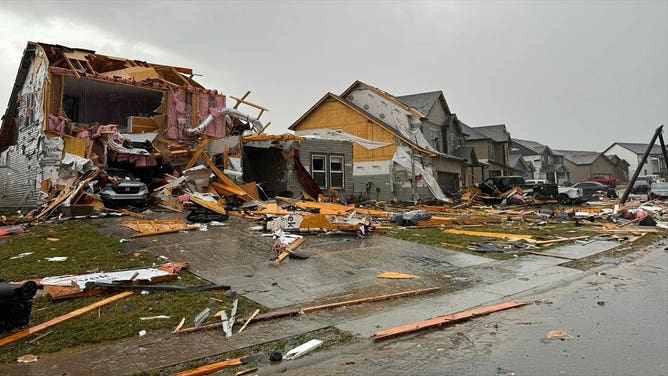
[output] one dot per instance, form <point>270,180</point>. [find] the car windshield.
<point>661,186</point>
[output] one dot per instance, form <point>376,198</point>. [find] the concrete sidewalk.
<point>481,281</point>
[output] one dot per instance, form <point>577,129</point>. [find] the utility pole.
<point>658,134</point>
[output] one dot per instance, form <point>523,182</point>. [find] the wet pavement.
<point>616,320</point>
<point>340,268</point>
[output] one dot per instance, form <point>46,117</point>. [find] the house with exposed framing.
<point>113,111</point>
<point>399,151</point>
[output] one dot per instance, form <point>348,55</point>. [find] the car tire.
<point>563,199</point>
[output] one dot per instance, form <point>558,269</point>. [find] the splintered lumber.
<point>443,320</point>
<point>485,234</point>
<point>257,311</point>
<point>299,311</point>
<point>198,152</point>
<point>227,183</point>
<point>59,319</point>
<point>213,206</point>
<point>561,240</point>
<point>370,299</point>
<point>286,250</point>
<point>214,367</point>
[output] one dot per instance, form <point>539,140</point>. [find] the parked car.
<point>121,188</point>
<point>592,188</point>
<point>570,195</point>
<point>658,191</point>
<point>603,180</point>
<point>640,186</point>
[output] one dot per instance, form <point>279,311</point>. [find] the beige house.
<point>587,164</point>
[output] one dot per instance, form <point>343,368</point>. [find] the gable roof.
<point>515,160</point>
<point>423,102</point>
<point>363,113</point>
<point>473,134</point>
<point>498,133</point>
<point>530,146</point>
<point>580,157</point>
<point>637,148</point>
<point>383,94</point>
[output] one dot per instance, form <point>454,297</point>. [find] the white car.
<point>570,195</point>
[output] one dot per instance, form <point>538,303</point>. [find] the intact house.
<point>547,164</point>
<point>632,153</point>
<point>403,148</point>
<point>146,117</point>
<point>586,164</point>
<point>492,148</point>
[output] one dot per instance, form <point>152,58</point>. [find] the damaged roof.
<point>580,157</point>
<point>422,102</point>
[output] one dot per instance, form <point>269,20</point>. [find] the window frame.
<point>342,171</point>
<point>324,171</point>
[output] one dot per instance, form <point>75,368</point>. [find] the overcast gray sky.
<point>570,74</point>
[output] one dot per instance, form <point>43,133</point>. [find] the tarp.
<point>312,188</point>
<point>403,158</point>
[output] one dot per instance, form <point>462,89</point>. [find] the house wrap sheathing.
<point>392,159</point>
<point>75,101</point>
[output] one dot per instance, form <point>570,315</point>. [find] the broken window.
<point>318,171</point>
<point>336,171</point>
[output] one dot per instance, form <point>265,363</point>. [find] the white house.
<point>632,153</point>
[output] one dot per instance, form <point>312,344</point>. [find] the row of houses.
<point>414,146</point>
<point>363,143</point>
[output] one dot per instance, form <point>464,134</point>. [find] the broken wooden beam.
<point>443,320</point>
<point>59,319</point>
<point>214,367</point>
<point>560,240</point>
<point>370,299</point>
<point>299,311</point>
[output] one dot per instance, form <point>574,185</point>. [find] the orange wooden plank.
<point>59,319</point>
<point>211,368</point>
<point>443,320</point>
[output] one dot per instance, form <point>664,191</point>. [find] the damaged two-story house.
<point>492,147</point>
<point>403,147</point>
<point>107,109</point>
<point>547,164</point>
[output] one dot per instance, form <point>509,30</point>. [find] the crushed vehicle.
<point>658,191</point>
<point>593,190</point>
<point>536,189</point>
<point>121,188</point>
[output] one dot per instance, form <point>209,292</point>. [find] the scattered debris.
<point>27,358</point>
<point>252,316</point>
<point>558,334</point>
<point>302,349</point>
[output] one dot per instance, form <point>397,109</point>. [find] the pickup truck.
<point>538,189</point>
<point>566,195</point>
<point>612,182</point>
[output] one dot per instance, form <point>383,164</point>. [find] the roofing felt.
<point>422,102</point>
<point>640,148</point>
<point>498,133</point>
<point>579,157</point>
